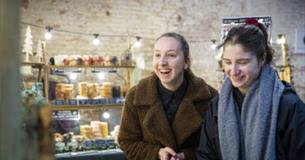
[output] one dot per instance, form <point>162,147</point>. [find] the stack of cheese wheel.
<point>96,129</point>
<point>83,89</point>
<point>106,90</point>
<point>86,131</point>
<point>59,91</point>
<point>68,91</point>
<point>92,90</point>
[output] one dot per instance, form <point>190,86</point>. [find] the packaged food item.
<point>68,91</point>
<point>99,60</point>
<point>92,90</point>
<point>107,61</point>
<point>86,131</point>
<point>96,129</point>
<point>83,89</point>
<point>59,94</point>
<point>126,59</point>
<point>106,90</point>
<point>104,127</point>
<point>57,137</point>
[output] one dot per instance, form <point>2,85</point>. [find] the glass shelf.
<point>78,107</point>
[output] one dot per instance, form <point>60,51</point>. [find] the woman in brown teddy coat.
<point>163,113</point>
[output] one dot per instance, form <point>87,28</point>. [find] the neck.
<point>243,91</point>
<point>173,86</point>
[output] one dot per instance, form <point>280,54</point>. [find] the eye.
<point>172,54</point>
<point>243,62</point>
<point>226,62</point>
<point>157,54</point>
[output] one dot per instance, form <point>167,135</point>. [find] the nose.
<point>162,60</point>
<point>235,69</point>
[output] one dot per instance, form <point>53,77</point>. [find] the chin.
<point>238,85</point>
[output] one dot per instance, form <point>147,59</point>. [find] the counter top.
<point>113,154</point>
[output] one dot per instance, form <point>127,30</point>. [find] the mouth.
<point>164,71</point>
<point>237,79</point>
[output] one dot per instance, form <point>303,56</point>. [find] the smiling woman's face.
<point>241,67</point>
<point>169,62</point>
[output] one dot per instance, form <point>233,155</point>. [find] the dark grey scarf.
<point>251,134</point>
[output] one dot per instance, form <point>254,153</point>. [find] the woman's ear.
<point>187,63</point>
<point>186,66</point>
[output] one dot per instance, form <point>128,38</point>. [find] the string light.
<point>261,20</point>
<point>106,115</point>
<point>101,76</point>
<point>96,40</point>
<point>138,42</point>
<point>213,45</point>
<point>48,34</point>
<point>281,39</point>
<point>271,40</point>
<point>73,76</point>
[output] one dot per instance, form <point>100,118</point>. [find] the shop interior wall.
<point>199,21</point>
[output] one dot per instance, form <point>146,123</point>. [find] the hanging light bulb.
<point>213,45</point>
<point>261,20</point>
<point>281,39</point>
<point>96,40</point>
<point>106,115</point>
<point>101,76</point>
<point>73,76</point>
<point>48,34</point>
<point>138,42</point>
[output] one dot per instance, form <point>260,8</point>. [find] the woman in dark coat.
<point>163,113</point>
<point>256,116</point>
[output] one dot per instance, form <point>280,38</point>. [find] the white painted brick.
<point>200,22</point>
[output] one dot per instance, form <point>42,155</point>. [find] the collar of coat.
<point>187,119</point>
<point>146,91</point>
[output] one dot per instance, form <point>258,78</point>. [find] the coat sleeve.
<point>208,148</point>
<point>292,128</point>
<point>130,135</point>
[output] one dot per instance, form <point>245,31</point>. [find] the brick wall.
<point>199,21</point>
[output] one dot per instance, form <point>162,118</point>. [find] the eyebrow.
<point>241,59</point>
<point>171,50</point>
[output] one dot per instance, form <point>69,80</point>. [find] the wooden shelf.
<point>89,66</point>
<point>36,65</point>
<point>78,107</point>
<point>33,64</point>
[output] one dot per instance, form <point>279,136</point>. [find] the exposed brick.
<point>199,21</point>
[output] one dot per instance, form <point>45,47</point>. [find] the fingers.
<point>180,156</point>
<point>170,151</point>
<point>167,153</point>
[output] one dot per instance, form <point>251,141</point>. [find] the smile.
<point>165,71</point>
<point>237,79</point>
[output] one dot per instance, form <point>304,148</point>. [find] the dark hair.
<point>253,38</point>
<point>183,44</point>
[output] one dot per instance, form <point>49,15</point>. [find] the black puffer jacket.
<point>290,140</point>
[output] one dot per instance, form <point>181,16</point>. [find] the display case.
<point>36,113</point>
<point>86,102</point>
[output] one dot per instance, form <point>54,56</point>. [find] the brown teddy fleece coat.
<point>145,129</point>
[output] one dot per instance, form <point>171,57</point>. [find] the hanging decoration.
<point>27,47</point>
<point>284,70</point>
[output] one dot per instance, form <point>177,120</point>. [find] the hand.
<point>179,156</point>
<point>167,153</point>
